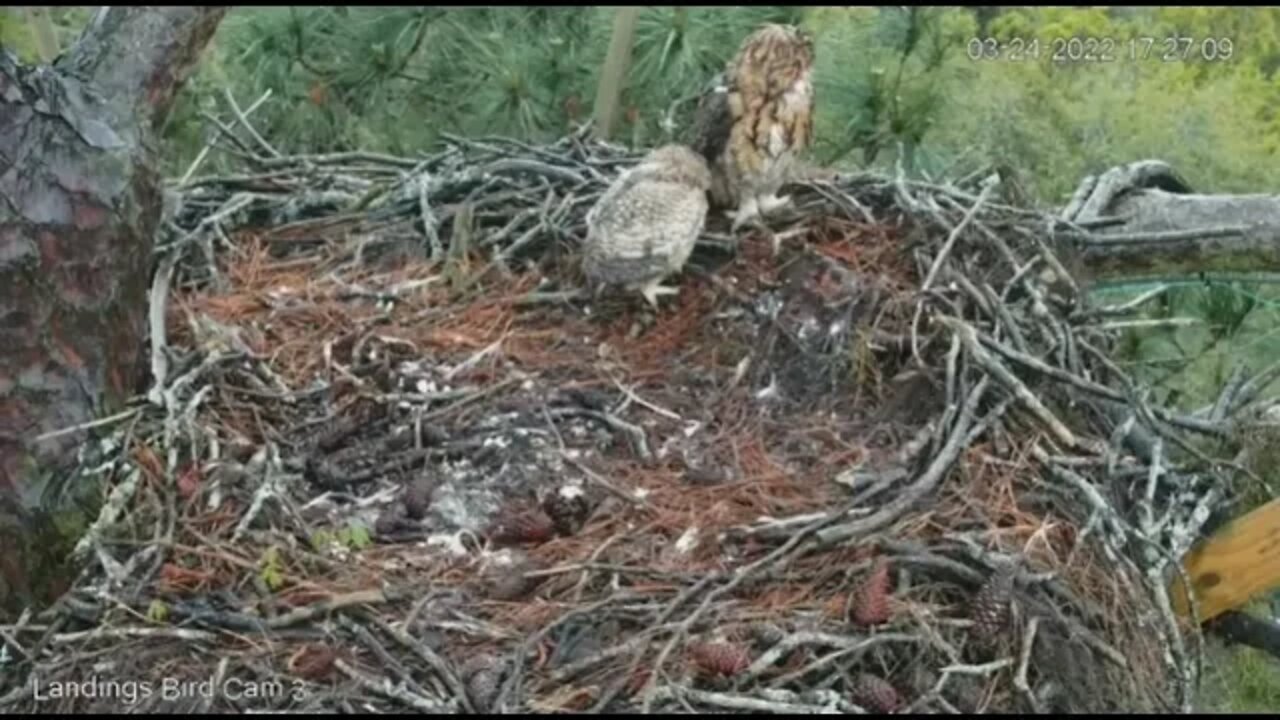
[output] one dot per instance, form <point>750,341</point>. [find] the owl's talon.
<point>747,212</point>
<point>652,292</point>
<point>770,203</point>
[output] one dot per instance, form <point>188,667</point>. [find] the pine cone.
<point>473,665</point>
<point>568,508</point>
<point>417,496</point>
<point>875,694</point>
<point>508,578</point>
<point>483,688</point>
<point>312,662</point>
<point>637,681</point>
<point>991,605</point>
<point>388,523</point>
<point>871,602</point>
<point>921,680</point>
<point>523,525</point>
<point>720,658</point>
<point>966,692</point>
<point>766,635</point>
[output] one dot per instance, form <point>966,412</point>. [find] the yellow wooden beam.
<point>1232,566</point>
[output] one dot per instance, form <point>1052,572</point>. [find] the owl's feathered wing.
<point>712,120</point>
<point>641,229</point>
<point>713,123</point>
<point>757,117</point>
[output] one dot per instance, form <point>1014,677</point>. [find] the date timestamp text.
<point>1101,50</point>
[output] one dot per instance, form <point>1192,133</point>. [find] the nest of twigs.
<point>393,460</point>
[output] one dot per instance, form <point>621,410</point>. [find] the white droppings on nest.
<point>664,450</point>
<point>808,328</point>
<point>337,550</point>
<point>499,558</point>
<point>526,385</point>
<point>688,541</point>
<point>692,427</point>
<point>769,392</point>
<point>465,500</point>
<point>572,491</point>
<point>836,329</point>
<point>451,543</point>
<point>497,420</point>
<point>425,387</point>
<point>457,510</point>
<point>740,371</point>
<point>410,367</point>
<point>641,494</point>
<point>497,441</point>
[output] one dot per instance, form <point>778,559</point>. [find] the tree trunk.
<point>79,206</point>
<point>1160,229</point>
<point>613,74</point>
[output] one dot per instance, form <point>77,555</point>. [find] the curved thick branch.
<point>1159,228</point>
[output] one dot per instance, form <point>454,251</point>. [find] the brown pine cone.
<point>875,694</point>
<point>483,678</point>
<point>507,578</point>
<point>312,662</point>
<point>637,681</point>
<point>991,605</point>
<point>871,601</point>
<point>522,525</point>
<point>567,507</point>
<point>720,658</point>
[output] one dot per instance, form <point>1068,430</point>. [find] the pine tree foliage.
<point>893,83</point>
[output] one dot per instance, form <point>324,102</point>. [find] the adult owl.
<point>644,226</point>
<point>757,119</point>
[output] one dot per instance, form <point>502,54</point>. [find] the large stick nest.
<point>393,460</point>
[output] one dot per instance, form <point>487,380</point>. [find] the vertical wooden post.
<point>613,74</point>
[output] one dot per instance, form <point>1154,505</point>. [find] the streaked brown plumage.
<point>645,224</point>
<point>757,119</point>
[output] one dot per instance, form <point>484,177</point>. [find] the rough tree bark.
<point>1162,229</point>
<point>79,205</point>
